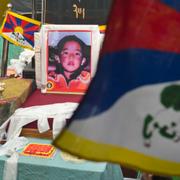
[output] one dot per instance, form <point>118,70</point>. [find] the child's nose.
<point>71,56</point>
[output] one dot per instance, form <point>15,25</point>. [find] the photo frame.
<point>69,57</point>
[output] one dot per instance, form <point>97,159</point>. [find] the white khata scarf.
<point>60,112</point>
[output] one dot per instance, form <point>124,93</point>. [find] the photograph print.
<point>68,61</point>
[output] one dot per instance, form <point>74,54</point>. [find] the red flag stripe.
<point>24,23</point>
<point>137,28</point>
<point>13,19</point>
<point>32,28</point>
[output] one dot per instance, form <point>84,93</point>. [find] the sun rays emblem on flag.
<point>19,29</point>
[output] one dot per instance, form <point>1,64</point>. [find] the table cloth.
<point>15,93</point>
<point>55,168</point>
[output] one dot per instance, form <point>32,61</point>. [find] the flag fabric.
<point>19,29</point>
<point>131,112</point>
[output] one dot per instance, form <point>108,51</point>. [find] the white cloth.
<point>13,145</point>
<point>23,116</point>
<point>10,167</point>
<point>10,149</point>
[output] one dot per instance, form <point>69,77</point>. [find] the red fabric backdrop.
<point>37,98</point>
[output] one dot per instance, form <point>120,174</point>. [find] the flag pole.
<point>34,16</point>
<point>5,51</point>
<point>33,9</point>
<point>43,11</point>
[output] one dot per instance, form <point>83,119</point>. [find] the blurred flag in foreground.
<point>19,29</point>
<point>131,113</point>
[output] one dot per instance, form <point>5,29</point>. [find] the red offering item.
<point>41,150</point>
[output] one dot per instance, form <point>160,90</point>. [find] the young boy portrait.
<point>69,65</point>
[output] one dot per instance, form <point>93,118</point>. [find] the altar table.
<point>15,93</point>
<point>55,168</point>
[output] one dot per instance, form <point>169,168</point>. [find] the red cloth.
<point>75,86</point>
<point>37,98</point>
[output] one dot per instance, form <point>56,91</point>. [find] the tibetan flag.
<point>131,112</point>
<point>19,30</point>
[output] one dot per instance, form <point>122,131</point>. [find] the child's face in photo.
<point>71,56</point>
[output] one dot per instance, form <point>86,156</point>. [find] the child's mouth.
<point>70,64</point>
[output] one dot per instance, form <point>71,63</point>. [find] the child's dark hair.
<point>85,53</point>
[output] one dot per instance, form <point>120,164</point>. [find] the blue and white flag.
<point>131,112</point>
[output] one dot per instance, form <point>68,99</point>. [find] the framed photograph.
<point>69,57</point>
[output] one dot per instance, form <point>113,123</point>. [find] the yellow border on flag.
<point>24,18</point>
<point>91,150</point>
<point>102,28</point>
<point>21,17</point>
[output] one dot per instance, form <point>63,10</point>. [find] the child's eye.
<point>64,53</point>
<point>78,54</point>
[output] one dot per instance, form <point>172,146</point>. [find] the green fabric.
<point>55,168</point>
<point>175,178</point>
<point>14,51</point>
